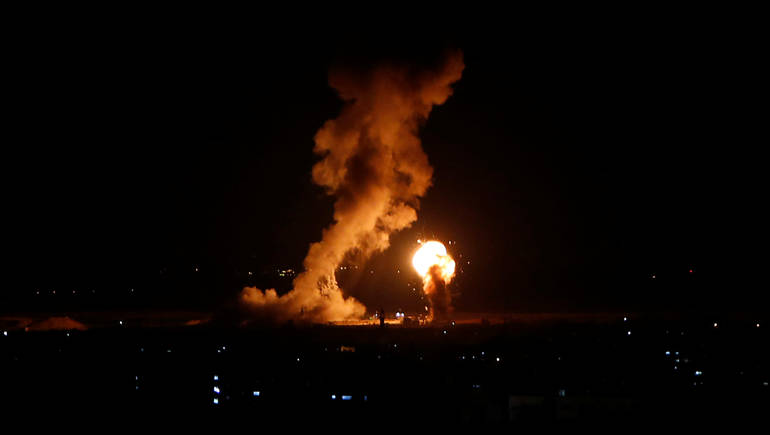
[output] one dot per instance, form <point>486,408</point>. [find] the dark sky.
<point>572,163</point>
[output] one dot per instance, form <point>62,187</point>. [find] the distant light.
<point>716,325</point>
<point>120,321</point>
<point>255,393</point>
<point>334,397</point>
<point>625,319</point>
<point>764,384</point>
<point>453,323</point>
<point>698,372</point>
<point>297,359</point>
<point>498,359</point>
<point>216,378</point>
<point>757,325</point>
<point>216,401</point>
<point>691,271</point>
<point>5,333</point>
<point>676,353</point>
<point>445,332</point>
<point>216,389</point>
<point>653,277</point>
<point>668,353</point>
<point>347,397</point>
<point>629,333</point>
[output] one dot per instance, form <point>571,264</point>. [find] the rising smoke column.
<point>374,165</point>
<point>435,287</point>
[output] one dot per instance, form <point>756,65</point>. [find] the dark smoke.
<point>438,294</point>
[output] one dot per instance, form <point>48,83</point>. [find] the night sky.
<point>571,165</point>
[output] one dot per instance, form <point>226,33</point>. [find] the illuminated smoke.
<point>435,287</point>
<point>374,166</point>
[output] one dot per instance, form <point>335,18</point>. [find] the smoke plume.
<point>374,166</point>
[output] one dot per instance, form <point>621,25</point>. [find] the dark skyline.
<point>569,165</point>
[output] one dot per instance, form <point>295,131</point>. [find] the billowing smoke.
<point>374,166</point>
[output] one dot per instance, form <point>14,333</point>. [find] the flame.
<point>434,253</point>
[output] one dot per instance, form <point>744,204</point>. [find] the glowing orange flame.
<point>434,253</point>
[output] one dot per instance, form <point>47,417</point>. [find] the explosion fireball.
<point>437,268</point>
<point>434,253</point>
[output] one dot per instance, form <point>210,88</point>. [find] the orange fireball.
<point>434,253</point>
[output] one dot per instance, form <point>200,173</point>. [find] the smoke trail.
<point>374,165</point>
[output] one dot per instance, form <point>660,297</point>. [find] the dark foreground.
<point>514,373</point>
